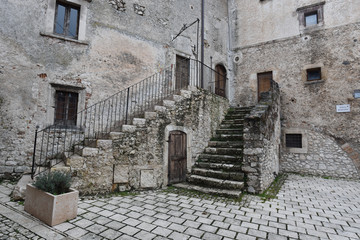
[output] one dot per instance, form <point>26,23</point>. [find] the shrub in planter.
<point>51,199</point>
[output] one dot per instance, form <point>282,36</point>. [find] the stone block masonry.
<point>262,141</point>
<point>137,157</point>
<point>324,157</point>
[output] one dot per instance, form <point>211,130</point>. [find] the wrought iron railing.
<point>56,142</point>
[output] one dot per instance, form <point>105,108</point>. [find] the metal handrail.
<point>56,142</point>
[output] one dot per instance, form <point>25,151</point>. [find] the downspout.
<point>231,78</point>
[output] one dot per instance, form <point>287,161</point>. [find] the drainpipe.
<point>202,44</point>
<point>231,84</point>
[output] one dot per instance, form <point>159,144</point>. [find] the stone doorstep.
<point>221,192</point>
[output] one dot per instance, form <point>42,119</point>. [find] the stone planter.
<point>51,209</point>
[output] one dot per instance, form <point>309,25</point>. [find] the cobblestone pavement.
<point>305,208</point>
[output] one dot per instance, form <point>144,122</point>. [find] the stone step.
<point>215,182</point>
<point>139,122</point>
<point>234,116</point>
<point>170,104</point>
<point>128,128</point>
<point>229,131</point>
<point>233,121</point>
<point>227,137</point>
<point>89,152</point>
<point>185,93</point>
<point>219,166</point>
<point>150,115</point>
<point>216,158</point>
<point>226,144</point>
<point>214,191</point>
<point>235,176</point>
<point>231,126</point>
<point>160,109</point>
<point>224,151</point>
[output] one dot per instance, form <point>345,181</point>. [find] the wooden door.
<point>220,80</point>
<point>177,157</point>
<point>264,82</point>
<point>182,72</point>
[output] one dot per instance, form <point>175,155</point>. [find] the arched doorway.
<point>177,157</point>
<point>220,80</point>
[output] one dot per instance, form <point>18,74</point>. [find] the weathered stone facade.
<point>324,157</point>
<point>262,142</point>
<point>137,157</point>
<point>119,44</point>
<point>287,49</point>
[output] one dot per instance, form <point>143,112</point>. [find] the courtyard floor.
<point>305,208</point>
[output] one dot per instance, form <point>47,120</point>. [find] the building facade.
<point>58,57</point>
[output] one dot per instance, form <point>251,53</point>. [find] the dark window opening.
<point>67,20</point>
<point>313,74</point>
<point>311,18</point>
<point>294,140</point>
<point>66,108</point>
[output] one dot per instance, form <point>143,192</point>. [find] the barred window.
<point>294,140</point>
<point>66,104</point>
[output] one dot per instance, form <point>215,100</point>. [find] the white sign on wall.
<point>343,108</point>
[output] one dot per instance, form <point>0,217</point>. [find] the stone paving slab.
<point>305,208</point>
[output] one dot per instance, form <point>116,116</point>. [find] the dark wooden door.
<point>220,80</point>
<point>182,72</point>
<point>264,82</point>
<point>177,157</point>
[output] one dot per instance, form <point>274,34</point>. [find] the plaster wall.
<point>118,47</point>
<point>261,21</point>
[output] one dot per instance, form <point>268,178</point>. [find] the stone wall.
<point>120,43</point>
<point>139,153</point>
<point>262,141</point>
<point>323,157</point>
<point>309,105</point>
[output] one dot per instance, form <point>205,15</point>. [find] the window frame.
<point>304,140</point>
<point>48,28</point>
<point>309,10</point>
<point>68,6</point>
<point>65,121</point>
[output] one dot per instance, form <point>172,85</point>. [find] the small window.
<point>66,20</point>
<point>313,74</point>
<point>311,18</point>
<point>294,140</point>
<point>66,104</point>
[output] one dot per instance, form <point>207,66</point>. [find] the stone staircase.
<point>218,168</point>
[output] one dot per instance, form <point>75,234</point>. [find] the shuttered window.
<point>66,108</point>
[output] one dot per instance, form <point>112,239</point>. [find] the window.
<point>313,74</point>
<point>294,140</point>
<point>66,20</point>
<point>311,16</point>
<point>311,19</point>
<point>66,104</point>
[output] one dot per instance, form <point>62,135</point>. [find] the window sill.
<point>314,82</point>
<point>51,35</point>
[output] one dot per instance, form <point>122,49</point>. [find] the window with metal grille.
<point>294,140</point>
<point>66,19</point>
<point>66,108</point>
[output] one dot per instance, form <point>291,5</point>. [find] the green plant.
<point>54,182</point>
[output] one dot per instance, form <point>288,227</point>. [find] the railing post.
<point>33,162</point>
<point>127,105</point>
